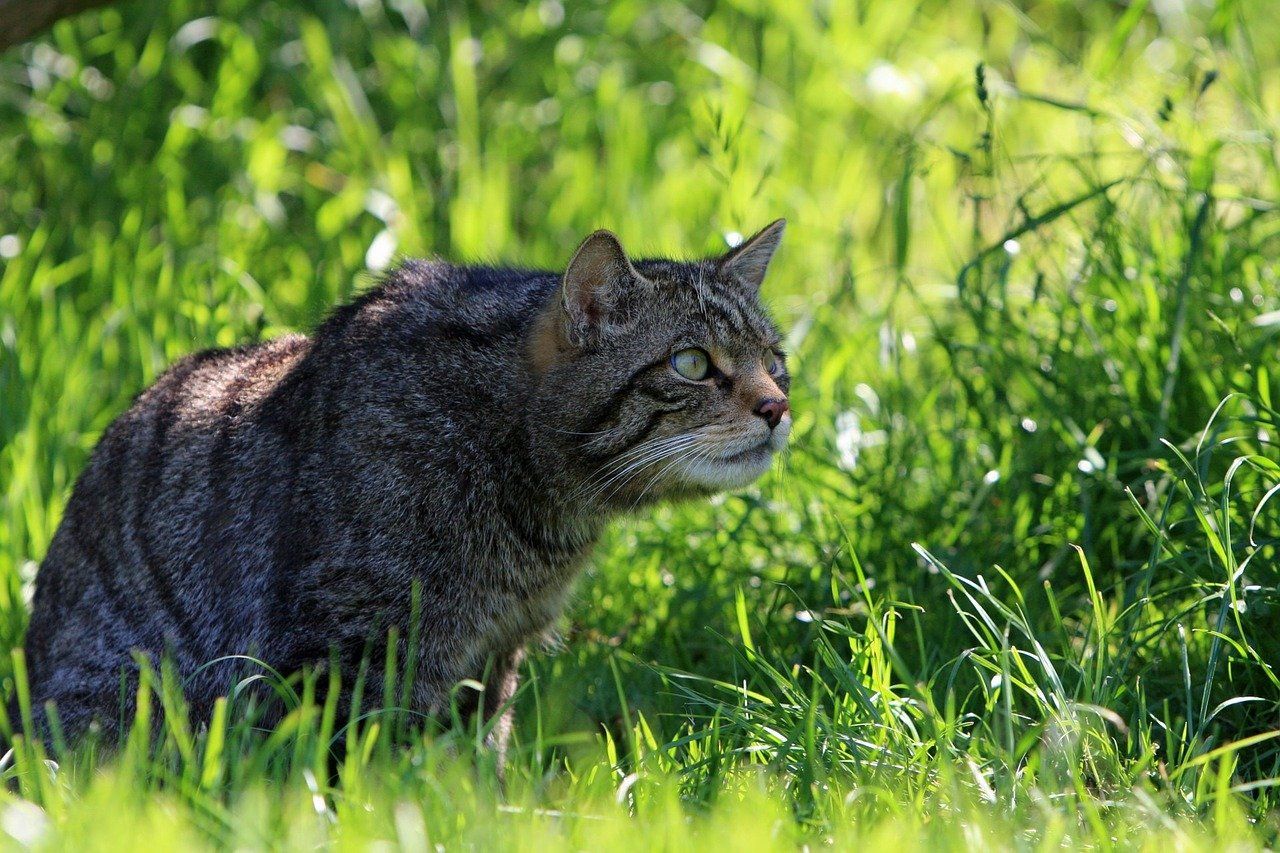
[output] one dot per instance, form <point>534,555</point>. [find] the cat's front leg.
<point>444,697</point>
<point>500,686</point>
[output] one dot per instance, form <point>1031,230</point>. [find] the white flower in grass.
<point>381,250</point>
<point>851,439</point>
<point>848,438</point>
<point>381,205</point>
<point>886,80</point>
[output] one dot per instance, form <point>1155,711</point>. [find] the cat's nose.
<point>772,411</point>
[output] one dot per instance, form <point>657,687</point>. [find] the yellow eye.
<point>691,364</point>
<point>772,364</point>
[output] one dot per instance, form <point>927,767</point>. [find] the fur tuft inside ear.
<point>596,282</point>
<point>748,262</point>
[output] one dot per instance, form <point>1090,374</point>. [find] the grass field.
<point>1017,583</point>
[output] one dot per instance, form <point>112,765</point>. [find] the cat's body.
<point>454,430</point>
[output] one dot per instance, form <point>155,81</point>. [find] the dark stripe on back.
<point>293,544</point>
<point>479,337</point>
<point>457,333</point>
<point>220,513</point>
<point>175,621</point>
<point>88,543</point>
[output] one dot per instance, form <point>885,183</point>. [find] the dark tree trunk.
<point>22,19</point>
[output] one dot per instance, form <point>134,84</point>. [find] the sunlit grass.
<point>1016,583</point>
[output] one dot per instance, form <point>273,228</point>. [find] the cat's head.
<point>662,378</point>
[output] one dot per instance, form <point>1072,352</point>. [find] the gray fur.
<point>465,429</point>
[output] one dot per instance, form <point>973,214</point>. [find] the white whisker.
<point>620,469</point>
<point>631,464</point>
<point>624,477</point>
<point>699,454</point>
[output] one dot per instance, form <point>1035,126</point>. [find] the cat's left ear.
<point>749,261</point>
<point>597,283</point>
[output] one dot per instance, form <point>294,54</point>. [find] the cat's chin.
<point>729,472</point>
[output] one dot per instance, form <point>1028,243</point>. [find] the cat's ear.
<point>749,261</point>
<point>597,282</point>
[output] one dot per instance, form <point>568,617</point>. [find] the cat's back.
<point>149,531</point>
<point>196,402</point>
<point>208,388</point>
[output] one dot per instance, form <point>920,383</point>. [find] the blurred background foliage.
<point>1032,249</point>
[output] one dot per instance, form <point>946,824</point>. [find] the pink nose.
<point>772,411</point>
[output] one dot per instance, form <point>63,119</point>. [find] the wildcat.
<point>464,432</point>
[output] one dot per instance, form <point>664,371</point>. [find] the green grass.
<point>1017,583</point>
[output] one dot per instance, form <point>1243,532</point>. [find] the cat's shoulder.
<point>444,284</point>
<point>421,295</point>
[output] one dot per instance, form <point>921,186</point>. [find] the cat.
<point>457,438</point>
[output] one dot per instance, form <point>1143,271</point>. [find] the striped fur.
<point>464,429</point>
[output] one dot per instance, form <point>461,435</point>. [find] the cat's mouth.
<point>763,450</point>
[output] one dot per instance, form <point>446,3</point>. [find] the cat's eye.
<point>692,364</point>
<point>772,362</point>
